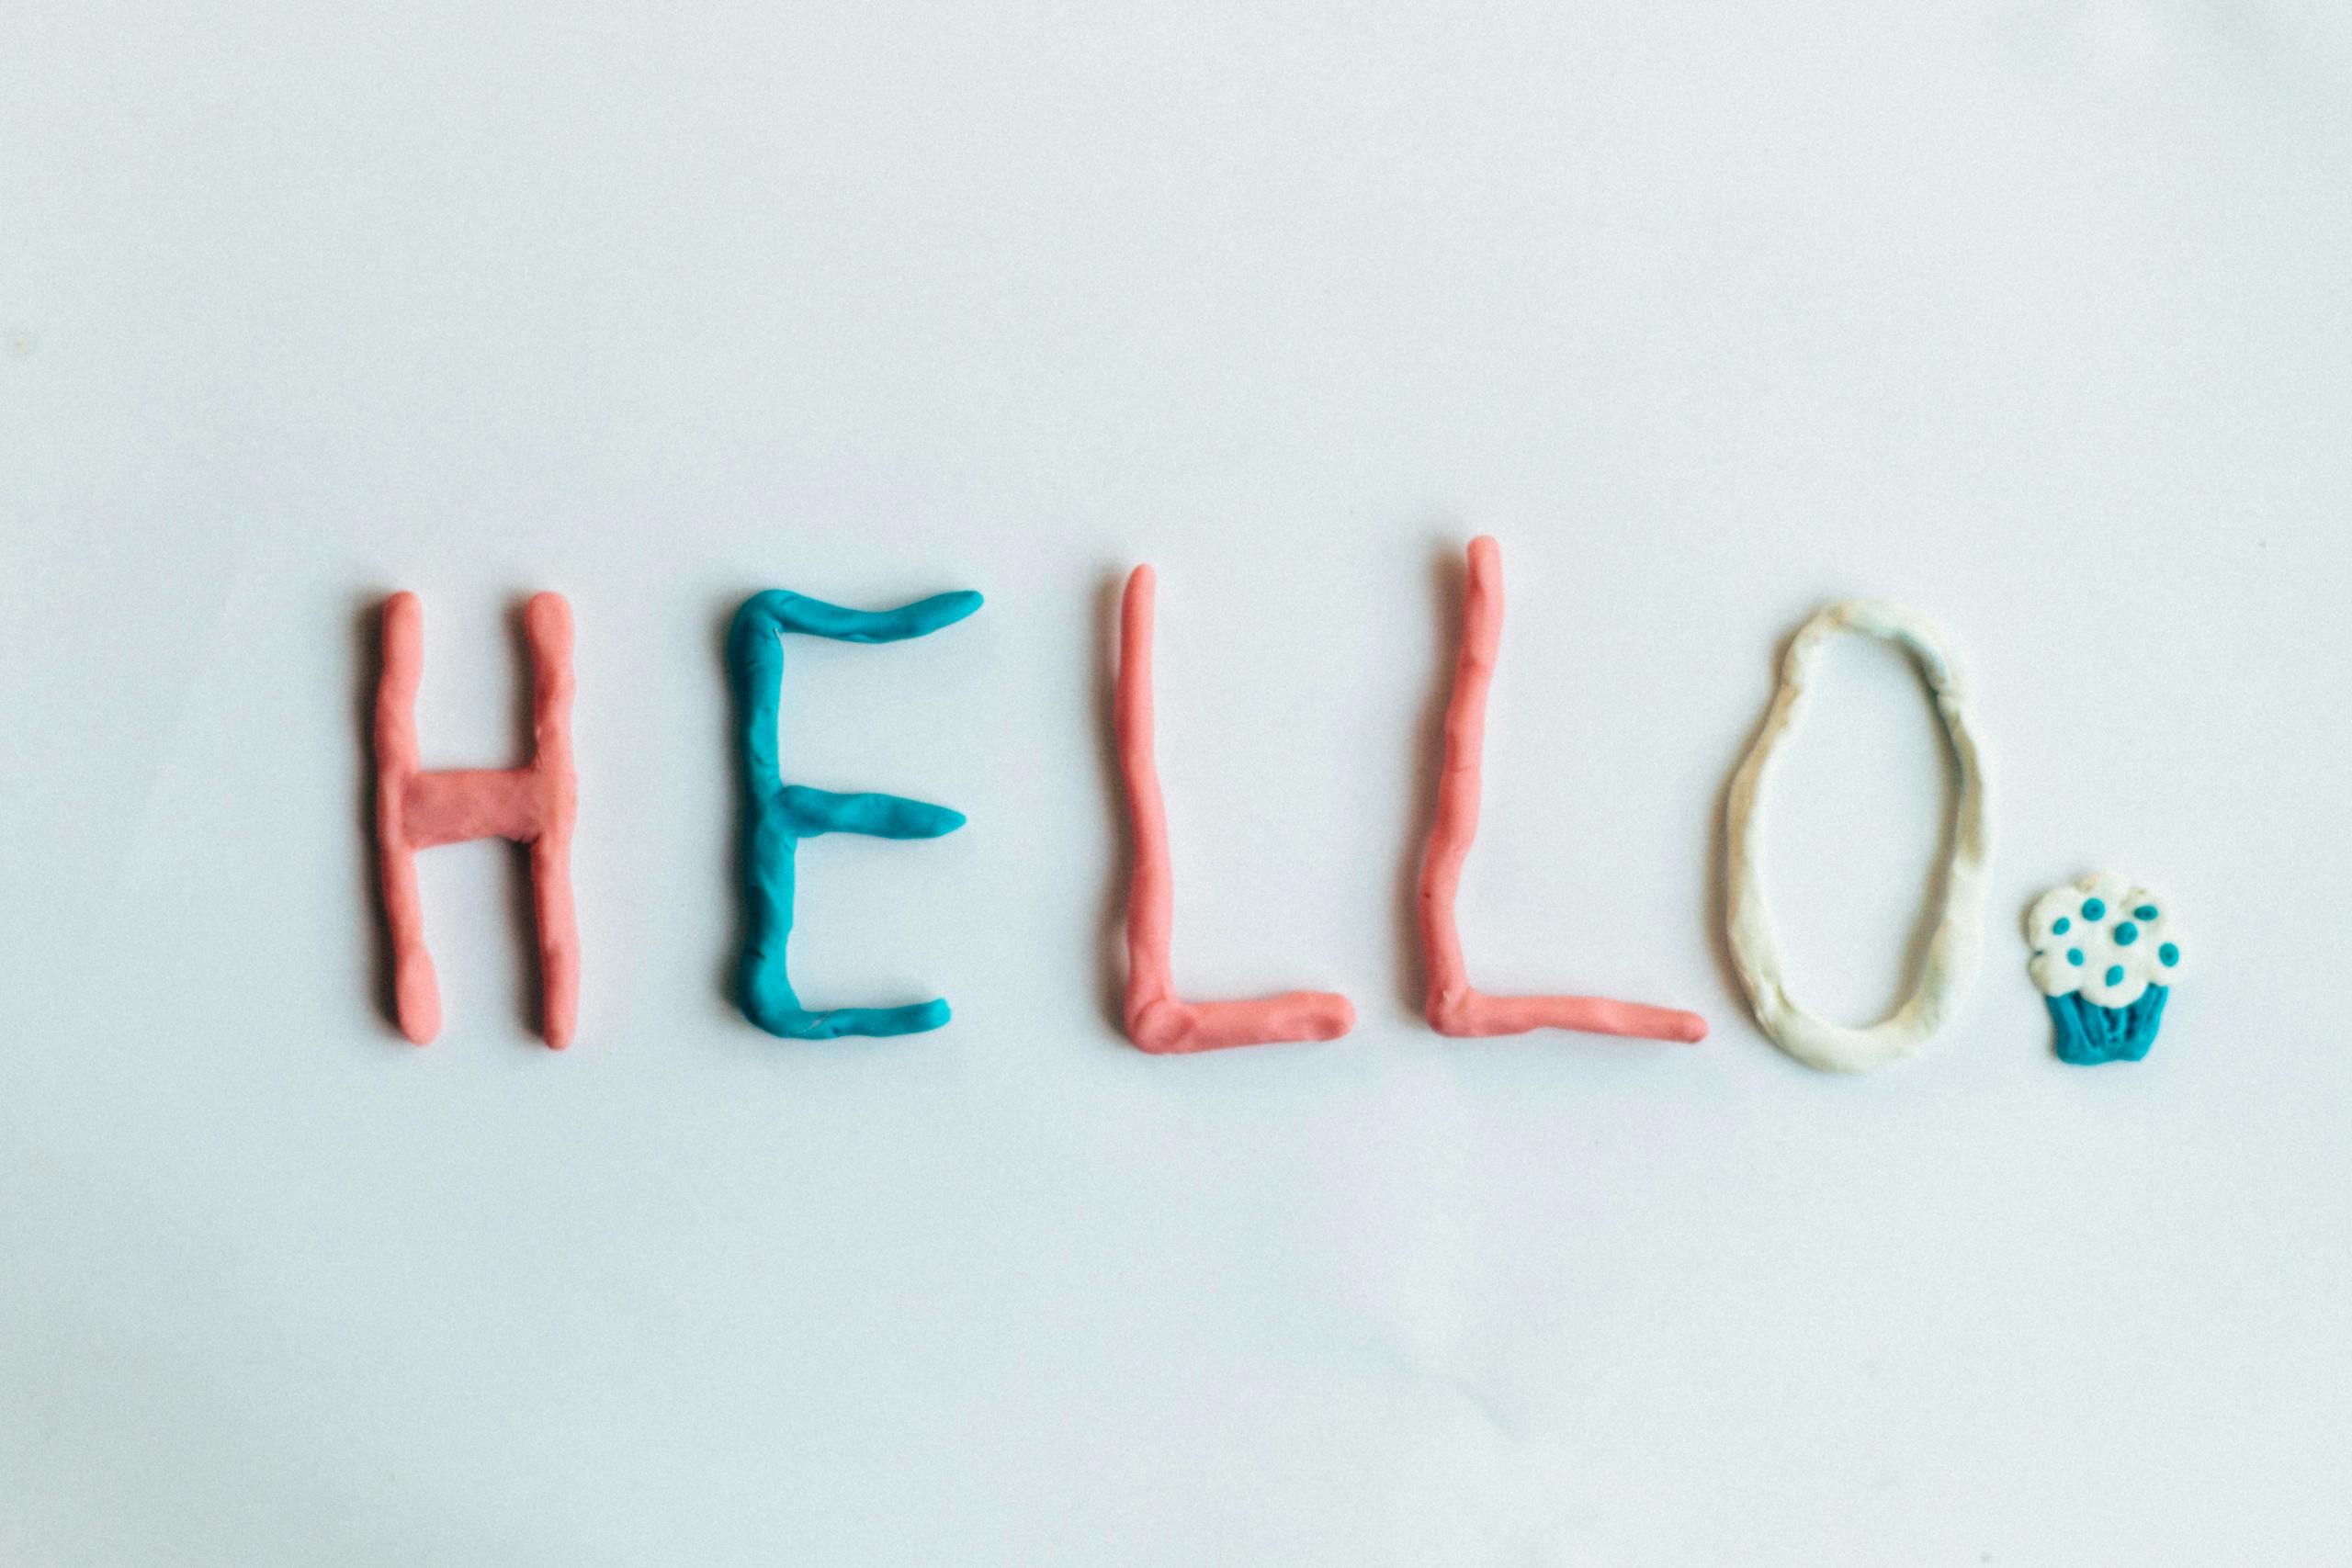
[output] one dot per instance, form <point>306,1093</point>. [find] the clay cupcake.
<point>2104,955</point>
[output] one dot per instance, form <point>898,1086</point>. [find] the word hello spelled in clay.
<point>535,805</point>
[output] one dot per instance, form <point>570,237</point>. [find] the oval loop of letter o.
<point>1958,938</point>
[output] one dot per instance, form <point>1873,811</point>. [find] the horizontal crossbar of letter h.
<point>533,805</point>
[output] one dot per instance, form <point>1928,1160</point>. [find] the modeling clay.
<point>1952,953</point>
<point>2104,956</point>
<point>1157,1019</point>
<point>533,805</point>
<point>1454,1006</point>
<point>778,815</point>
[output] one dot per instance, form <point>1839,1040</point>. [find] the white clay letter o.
<point>1958,938</point>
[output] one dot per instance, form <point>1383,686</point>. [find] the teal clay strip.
<point>778,815</point>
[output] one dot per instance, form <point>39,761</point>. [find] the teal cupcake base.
<point>2089,1035</point>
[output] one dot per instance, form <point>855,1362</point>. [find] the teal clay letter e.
<point>778,816</point>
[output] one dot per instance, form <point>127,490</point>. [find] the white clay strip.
<point>1953,954</point>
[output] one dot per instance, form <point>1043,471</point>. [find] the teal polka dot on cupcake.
<point>2095,911</point>
<point>2063,926</point>
<point>2115,976</point>
<point>2074,956</point>
<point>2170,953</point>
<point>2146,912</point>
<point>2126,934</point>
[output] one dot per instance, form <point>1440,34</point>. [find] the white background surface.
<point>2033,316</point>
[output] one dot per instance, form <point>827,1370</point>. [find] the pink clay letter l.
<point>1455,1007</point>
<point>533,805</point>
<point>1157,1020</point>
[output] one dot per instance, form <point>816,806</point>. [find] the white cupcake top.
<point>2104,939</point>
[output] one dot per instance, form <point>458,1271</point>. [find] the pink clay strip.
<point>1455,1007</point>
<point>534,805</point>
<point>1157,1020</point>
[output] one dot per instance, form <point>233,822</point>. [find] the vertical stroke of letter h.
<point>534,805</point>
<point>778,815</point>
